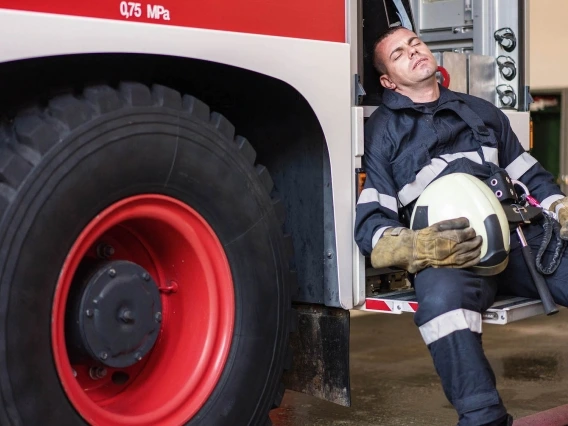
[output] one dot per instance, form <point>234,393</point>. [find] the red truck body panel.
<point>316,19</point>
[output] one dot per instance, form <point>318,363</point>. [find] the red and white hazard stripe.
<point>390,306</point>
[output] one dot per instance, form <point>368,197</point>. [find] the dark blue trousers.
<point>449,318</point>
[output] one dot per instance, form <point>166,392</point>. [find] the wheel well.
<point>272,115</point>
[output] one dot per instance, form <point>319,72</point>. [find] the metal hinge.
<point>359,91</point>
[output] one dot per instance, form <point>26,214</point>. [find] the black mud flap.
<point>321,354</point>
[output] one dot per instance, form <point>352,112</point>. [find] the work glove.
<point>447,244</point>
<point>560,207</point>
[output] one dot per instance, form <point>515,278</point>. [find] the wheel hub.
<point>119,315</point>
<point>174,244</point>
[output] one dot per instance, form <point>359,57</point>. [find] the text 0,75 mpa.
<point>130,9</point>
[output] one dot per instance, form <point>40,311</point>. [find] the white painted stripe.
<point>491,155</point>
<point>547,202</point>
<point>317,67</point>
<point>378,234</point>
<point>472,156</point>
<point>371,195</point>
<point>450,322</point>
<point>520,165</point>
<point>412,191</point>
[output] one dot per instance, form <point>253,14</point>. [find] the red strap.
<point>445,77</point>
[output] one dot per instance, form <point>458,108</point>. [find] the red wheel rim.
<point>185,258</point>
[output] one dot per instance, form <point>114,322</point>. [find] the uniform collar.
<point>396,101</point>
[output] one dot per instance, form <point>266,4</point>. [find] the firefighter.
<point>420,132</point>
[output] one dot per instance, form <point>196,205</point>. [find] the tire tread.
<point>26,139</point>
<point>135,94</point>
<point>224,126</point>
<point>33,131</point>
<point>103,98</point>
<point>196,108</point>
<point>71,111</point>
<point>165,97</point>
<point>246,149</point>
<point>264,176</point>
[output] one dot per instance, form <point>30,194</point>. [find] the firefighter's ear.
<point>386,82</point>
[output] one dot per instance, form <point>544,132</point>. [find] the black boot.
<point>503,421</point>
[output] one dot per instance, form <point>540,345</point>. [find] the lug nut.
<point>104,251</point>
<point>158,317</point>
<point>146,276</point>
<point>89,313</point>
<point>112,273</point>
<point>97,372</point>
<point>103,355</point>
<point>138,356</point>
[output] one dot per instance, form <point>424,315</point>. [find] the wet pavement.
<point>394,383</point>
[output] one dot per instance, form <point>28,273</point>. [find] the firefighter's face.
<point>407,60</point>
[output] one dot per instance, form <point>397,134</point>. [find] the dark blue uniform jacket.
<point>409,145</point>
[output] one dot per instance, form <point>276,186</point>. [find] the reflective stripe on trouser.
<point>449,305</point>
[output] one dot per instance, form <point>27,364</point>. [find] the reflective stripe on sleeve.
<point>520,165</point>
<point>450,322</point>
<point>547,202</point>
<point>491,155</point>
<point>378,235</point>
<point>411,191</point>
<point>472,156</point>
<point>370,195</point>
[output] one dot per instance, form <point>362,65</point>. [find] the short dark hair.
<point>377,62</point>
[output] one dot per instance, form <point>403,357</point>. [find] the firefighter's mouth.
<point>418,62</point>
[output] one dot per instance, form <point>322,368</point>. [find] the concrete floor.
<point>393,382</point>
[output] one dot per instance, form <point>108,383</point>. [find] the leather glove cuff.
<point>560,207</point>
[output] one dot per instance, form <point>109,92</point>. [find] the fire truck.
<point>178,182</point>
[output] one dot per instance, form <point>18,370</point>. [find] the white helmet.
<point>462,195</point>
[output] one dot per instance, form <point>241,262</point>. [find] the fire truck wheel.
<point>144,275</point>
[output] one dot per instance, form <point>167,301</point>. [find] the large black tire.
<point>60,165</point>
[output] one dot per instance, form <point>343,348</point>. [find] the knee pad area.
<point>442,290</point>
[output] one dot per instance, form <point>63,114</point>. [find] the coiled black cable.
<point>551,227</point>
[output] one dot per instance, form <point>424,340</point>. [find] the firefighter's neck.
<point>425,91</point>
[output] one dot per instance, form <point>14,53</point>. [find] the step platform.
<point>503,311</point>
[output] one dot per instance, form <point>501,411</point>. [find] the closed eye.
<point>414,41</point>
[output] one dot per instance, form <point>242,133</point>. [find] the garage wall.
<point>548,44</point>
